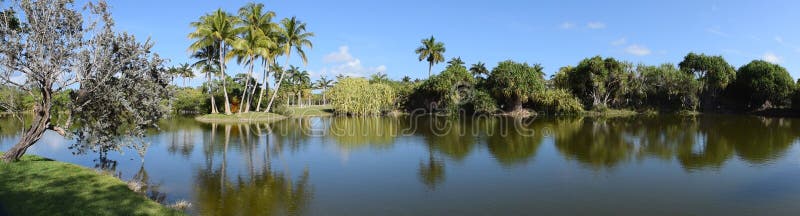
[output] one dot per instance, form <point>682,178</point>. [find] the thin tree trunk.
<point>430,67</point>
<point>277,87</point>
<point>211,94</point>
<point>263,87</point>
<point>252,91</point>
<point>40,124</point>
<point>222,74</point>
<point>243,99</point>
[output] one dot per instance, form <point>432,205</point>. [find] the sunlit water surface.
<point>666,165</point>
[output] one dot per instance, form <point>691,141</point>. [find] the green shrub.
<point>356,96</point>
<point>481,102</point>
<point>190,101</point>
<point>558,101</point>
<point>512,83</point>
<point>759,82</point>
<point>442,92</point>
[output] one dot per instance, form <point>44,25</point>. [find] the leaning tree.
<point>110,86</point>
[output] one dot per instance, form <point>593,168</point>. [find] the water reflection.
<point>246,169</point>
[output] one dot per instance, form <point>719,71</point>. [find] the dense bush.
<point>714,74</point>
<point>513,83</point>
<point>556,101</point>
<point>668,88</point>
<point>481,102</point>
<point>190,101</point>
<point>356,96</point>
<point>443,92</point>
<point>598,82</point>
<point>760,82</point>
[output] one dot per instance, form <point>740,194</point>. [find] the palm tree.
<point>295,37</point>
<point>185,71</point>
<point>406,79</point>
<point>207,62</point>
<point>253,43</point>
<point>218,29</point>
<point>479,69</point>
<point>379,78</point>
<point>431,51</point>
<point>300,81</point>
<point>324,83</point>
<point>455,62</point>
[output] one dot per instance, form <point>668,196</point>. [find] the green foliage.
<point>759,82</point>
<point>481,102</point>
<point>598,82</point>
<point>513,83</point>
<point>557,101</point>
<point>431,51</point>
<point>190,101</point>
<point>714,74</point>
<point>356,96</point>
<point>668,88</point>
<point>443,92</point>
<point>13,99</point>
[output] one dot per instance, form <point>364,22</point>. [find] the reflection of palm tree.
<point>431,173</point>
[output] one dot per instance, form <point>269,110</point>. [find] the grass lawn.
<point>40,186</point>
<point>309,111</point>
<point>240,118</point>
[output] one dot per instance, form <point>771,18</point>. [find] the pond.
<point>658,165</point>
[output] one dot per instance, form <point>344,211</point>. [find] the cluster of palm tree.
<point>248,37</point>
<point>183,71</point>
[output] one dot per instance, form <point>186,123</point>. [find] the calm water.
<point>667,165</point>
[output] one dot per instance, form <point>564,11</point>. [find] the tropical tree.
<point>217,28</point>
<point>759,82</point>
<point>207,62</point>
<point>254,42</point>
<point>301,82</point>
<point>515,83</point>
<point>114,85</point>
<point>431,51</point>
<point>324,83</point>
<point>295,36</point>
<point>713,72</point>
<point>597,81</point>
<point>479,70</point>
<point>379,78</point>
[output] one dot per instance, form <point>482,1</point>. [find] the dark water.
<point>666,165</point>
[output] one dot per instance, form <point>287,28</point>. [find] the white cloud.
<point>337,57</point>
<point>619,42</point>
<point>637,50</point>
<point>567,25</point>
<point>596,25</point>
<point>346,64</point>
<point>779,39</point>
<point>771,57</point>
<point>716,30</point>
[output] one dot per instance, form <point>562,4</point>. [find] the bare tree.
<point>115,86</point>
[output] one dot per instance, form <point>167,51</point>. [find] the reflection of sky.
<point>379,178</point>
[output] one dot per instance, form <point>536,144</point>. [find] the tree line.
<point>699,82</point>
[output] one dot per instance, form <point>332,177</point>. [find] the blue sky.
<point>365,37</point>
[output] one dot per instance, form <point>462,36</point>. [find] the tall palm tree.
<point>324,83</point>
<point>207,61</point>
<point>217,28</point>
<point>431,51</point>
<point>379,78</point>
<point>185,71</point>
<point>301,80</point>
<point>295,37</point>
<point>479,69</point>
<point>253,43</point>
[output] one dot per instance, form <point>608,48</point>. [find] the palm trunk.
<point>278,86</point>
<point>40,124</point>
<point>430,67</point>
<point>244,105</point>
<point>252,91</point>
<point>263,87</point>
<point>211,94</point>
<point>222,75</point>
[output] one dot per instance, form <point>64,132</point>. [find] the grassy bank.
<point>252,117</point>
<point>40,186</point>
<point>308,111</point>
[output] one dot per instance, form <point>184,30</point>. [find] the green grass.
<point>240,118</point>
<point>308,111</point>
<point>40,186</point>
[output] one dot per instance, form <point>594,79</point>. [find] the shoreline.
<point>41,186</point>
